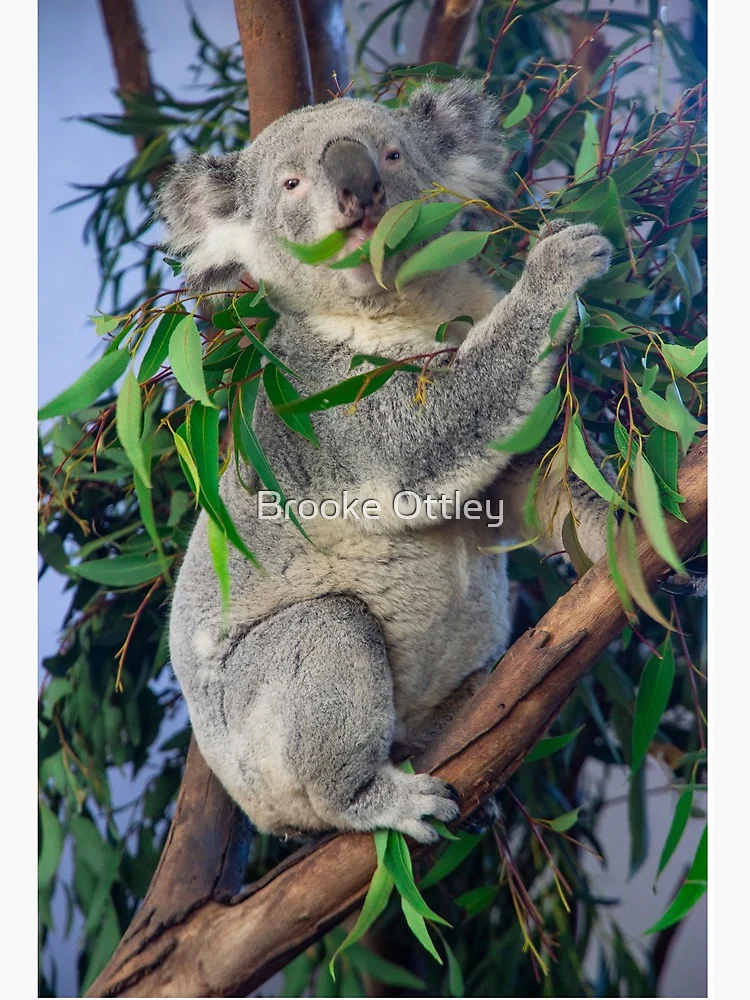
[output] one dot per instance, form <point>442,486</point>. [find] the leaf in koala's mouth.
<point>359,256</point>
<point>316,253</point>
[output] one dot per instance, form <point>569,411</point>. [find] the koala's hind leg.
<point>323,762</point>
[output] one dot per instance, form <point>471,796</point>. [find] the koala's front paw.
<point>418,796</point>
<point>568,256</point>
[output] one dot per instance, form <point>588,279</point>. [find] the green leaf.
<point>105,324</point>
<point>450,859</point>
<point>120,571</point>
<point>649,376</point>
<point>534,428</point>
<point>572,544</point>
<point>637,821</point>
<point>583,466</point>
<point>175,266</point>
<point>476,900</point>
<point>349,391</point>
<point>186,459</point>
<point>628,176</point>
<point>455,976</point>
<point>682,205</point>
<point>375,902</point>
<point>685,359</point>
<point>247,306</point>
<point>614,566</point>
<point>589,153</point>
<point>601,205</point>
<point>186,355</point>
<point>128,420</point>
<point>52,844</point>
<point>691,890</point>
<point>521,110</point>
<point>281,391</point>
<point>562,823</point>
<point>218,546</point>
<point>446,251</point>
<point>146,507</point>
<point>398,863</point>
<point>443,328</point>
<point>316,253</point>
<point>670,413</point>
<point>158,349</point>
<point>550,744</point>
<point>627,562</point>
<point>356,258</point>
<point>418,927</point>
<point>434,216</point>
<point>662,451</point>
<point>650,511</point>
<point>87,389</point>
<point>103,947</point>
<point>380,969</point>
<point>651,701</point>
<point>203,440</point>
<point>401,218</point>
<point>677,827</point>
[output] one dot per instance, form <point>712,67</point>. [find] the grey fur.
<point>349,651</point>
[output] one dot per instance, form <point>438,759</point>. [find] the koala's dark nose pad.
<point>353,173</point>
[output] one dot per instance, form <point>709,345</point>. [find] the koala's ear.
<point>198,202</point>
<point>461,129</point>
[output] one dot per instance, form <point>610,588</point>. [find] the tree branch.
<point>229,950</point>
<point>446,30</point>
<point>130,58</point>
<point>325,29</point>
<point>277,64</point>
<point>129,53</point>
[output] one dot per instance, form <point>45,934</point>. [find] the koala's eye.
<point>393,154</point>
<point>291,184</point>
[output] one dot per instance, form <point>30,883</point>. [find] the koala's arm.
<point>494,381</point>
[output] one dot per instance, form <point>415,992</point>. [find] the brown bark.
<point>129,53</point>
<point>277,64</point>
<point>130,58</point>
<point>446,30</point>
<point>229,950</point>
<point>591,51</point>
<point>325,30</point>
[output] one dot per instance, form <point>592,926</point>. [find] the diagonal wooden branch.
<point>216,949</point>
<point>446,30</point>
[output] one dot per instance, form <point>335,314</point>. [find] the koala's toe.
<point>421,831</point>
<point>555,226</point>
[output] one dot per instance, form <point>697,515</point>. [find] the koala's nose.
<point>354,174</point>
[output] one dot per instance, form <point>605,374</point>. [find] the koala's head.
<point>332,166</point>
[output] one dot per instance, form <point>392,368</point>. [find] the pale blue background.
<point>76,78</point>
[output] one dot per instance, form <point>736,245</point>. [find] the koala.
<point>352,648</point>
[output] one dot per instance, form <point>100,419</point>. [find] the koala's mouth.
<point>359,232</point>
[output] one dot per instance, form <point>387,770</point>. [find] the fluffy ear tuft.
<point>198,202</point>
<point>460,126</point>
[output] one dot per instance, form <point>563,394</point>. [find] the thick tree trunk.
<point>214,949</point>
<point>325,29</point>
<point>277,63</point>
<point>446,30</point>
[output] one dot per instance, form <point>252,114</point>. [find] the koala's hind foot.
<point>310,750</point>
